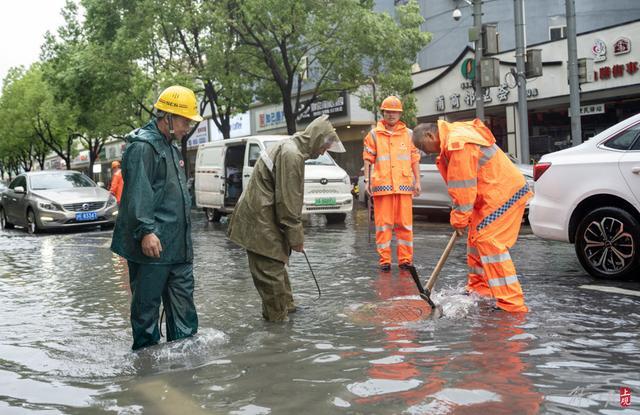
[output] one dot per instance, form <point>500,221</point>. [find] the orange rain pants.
<point>394,213</point>
<point>491,270</point>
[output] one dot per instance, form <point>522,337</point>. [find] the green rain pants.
<point>272,282</point>
<point>173,284</point>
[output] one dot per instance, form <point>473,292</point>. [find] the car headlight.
<point>48,205</point>
<point>112,200</point>
<point>346,180</point>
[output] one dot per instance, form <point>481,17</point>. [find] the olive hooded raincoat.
<point>267,219</point>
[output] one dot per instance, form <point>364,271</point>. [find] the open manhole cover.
<point>398,311</point>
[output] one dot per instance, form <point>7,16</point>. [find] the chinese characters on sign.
<point>616,71</point>
<point>469,98</point>
<point>622,46</point>
<point>332,107</point>
<point>592,109</point>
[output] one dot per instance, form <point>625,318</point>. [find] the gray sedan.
<point>56,199</point>
<point>434,195</point>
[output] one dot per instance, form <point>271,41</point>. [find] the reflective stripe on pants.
<point>394,213</point>
<point>490,252</point>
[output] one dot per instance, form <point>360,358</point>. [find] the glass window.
<point>323,160</point>
<point>18,181</point>
<point>254,154</point>
<point>428,158</point>
<point>60,181</point>
<point>625,139</point>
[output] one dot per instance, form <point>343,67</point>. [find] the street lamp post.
<point>574,85</point>
<point>521,78</point>
<point>477,22</point>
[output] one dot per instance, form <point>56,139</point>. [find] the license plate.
<point>85,216</point>
<point>325,201</point>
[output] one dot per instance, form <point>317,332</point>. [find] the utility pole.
<point>574,86</point>
<point>477,22</point>
<point>523,119</point>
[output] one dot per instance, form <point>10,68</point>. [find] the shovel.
<point>425,292</point>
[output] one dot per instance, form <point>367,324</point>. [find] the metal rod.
<point>312,274</point>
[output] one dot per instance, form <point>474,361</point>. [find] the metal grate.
<point>78,207</point>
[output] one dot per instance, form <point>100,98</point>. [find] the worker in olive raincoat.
<point>489,196</point>
<point>153,229</point>
<point>267,219</point>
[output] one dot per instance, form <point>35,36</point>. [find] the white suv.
<point>589,195</point>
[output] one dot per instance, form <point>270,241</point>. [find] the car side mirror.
<point>252,162</point>
<point>19,189</point>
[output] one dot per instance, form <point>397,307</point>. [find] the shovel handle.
<point>443,258</point>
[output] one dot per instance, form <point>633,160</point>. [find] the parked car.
<point>223,169</point>
<point>434,195</point>
<point>589,195</point>
<point>56,199</point>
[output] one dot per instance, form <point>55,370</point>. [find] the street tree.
<point>30,122</point>
<point>95,79</point>
<point>318,48</point>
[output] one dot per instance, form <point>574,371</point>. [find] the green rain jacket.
<point>267,219</point>
<point>154,199</point>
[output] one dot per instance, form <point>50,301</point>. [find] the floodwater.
<point>65,343</point>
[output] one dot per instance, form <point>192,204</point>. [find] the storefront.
<point>447,93</point>
<point>350,121</point>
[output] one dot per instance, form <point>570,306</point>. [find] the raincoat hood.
<point>454,135</point>
<point>314,136</point>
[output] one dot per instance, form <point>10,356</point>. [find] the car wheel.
<point>607,243</point>
<point>213,215</point>
<point>4,223</point>
<point>32,224</point>
<point>336,217</point>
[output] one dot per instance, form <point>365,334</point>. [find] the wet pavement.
<point>359,349</point>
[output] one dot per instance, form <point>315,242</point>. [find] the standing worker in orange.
<point>116,180</point>
<point>489,197</point>
<point>392,177</point>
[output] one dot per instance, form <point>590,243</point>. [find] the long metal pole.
<point>477,22</point>
<point>523,119</point>
<point>574,86</point>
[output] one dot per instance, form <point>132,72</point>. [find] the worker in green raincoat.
<point>267,219</point>
<point>153,229</point>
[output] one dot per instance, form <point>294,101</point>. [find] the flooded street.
<point>65,344</point>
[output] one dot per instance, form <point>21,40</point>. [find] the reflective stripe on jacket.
<point>482,182</point>
<point>392,155</point>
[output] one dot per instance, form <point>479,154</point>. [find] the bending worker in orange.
<point>489,196</point>
<point>392,176</point>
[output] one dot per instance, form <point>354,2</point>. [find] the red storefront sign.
<point>616,71</point>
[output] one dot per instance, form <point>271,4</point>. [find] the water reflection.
<point>65,334</point>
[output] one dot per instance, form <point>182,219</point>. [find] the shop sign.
<point>622,45</point>
<point>270,118</point>
<point>599,50</point>
<point>616,71</point>
<point>592,109</point>
<point>502,94</point>
<point>240,125</point>
<point>200,136</point>
<point>468,68</point>
<point>334,108</point>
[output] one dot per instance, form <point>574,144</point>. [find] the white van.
<point>223,169</point>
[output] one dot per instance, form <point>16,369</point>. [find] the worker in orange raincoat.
<point>489,196</point>
<point>392,176</point>
<point>116,180</point>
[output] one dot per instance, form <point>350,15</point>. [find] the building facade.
<point>614,94</point>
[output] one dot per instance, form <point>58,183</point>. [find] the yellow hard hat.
<point>180,101</point>
<point>391,103</point>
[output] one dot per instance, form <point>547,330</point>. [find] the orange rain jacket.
<point>483,183</point>
<point>116,185</point>
<point>392,154</point>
